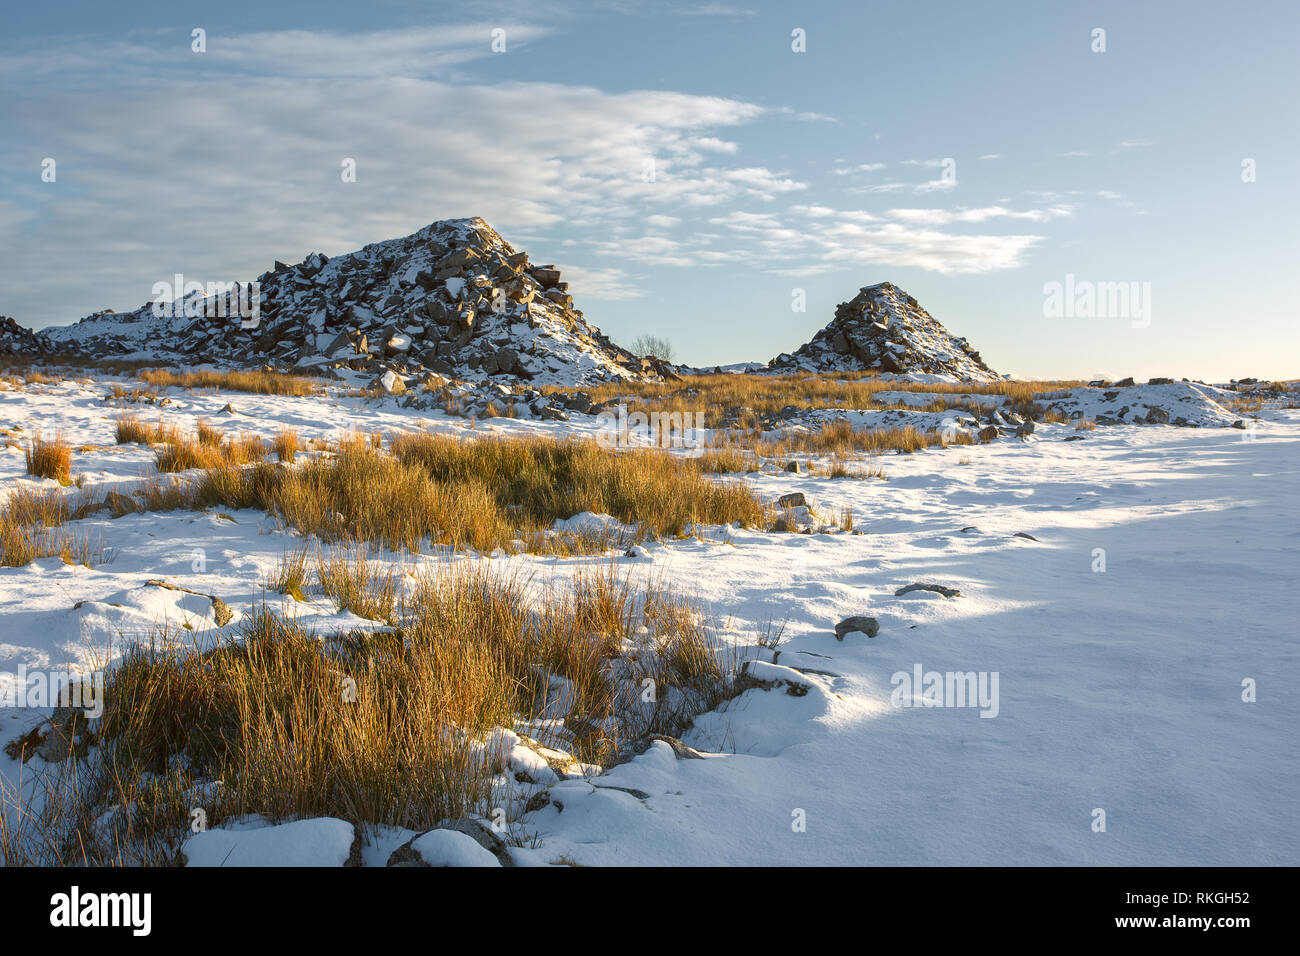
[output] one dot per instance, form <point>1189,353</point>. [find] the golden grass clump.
<point>285,445</point>
<point>840,438</point>
<point>257,382</point>
<point>31,528</point>
<point>378,728</point>
<point>186,453</point>
<point>541,480</point>
<point>50,458</point>
<point>130,428</point>
<point>367,588</point>
<point>208,435</point>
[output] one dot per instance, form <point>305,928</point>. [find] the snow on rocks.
<point>884,328</point>
<point>443,848</point>
<point>321,841</point>
<point>1190,404</point>
<point>16,339</point>
<point>454,298</point>
<point>600,527</point>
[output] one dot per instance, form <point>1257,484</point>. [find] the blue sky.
<point>971,153</point>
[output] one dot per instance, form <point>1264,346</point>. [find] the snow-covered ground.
<point>1157,588</point>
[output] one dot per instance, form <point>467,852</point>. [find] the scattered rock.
<point>794,499</point>
<point>221,612</point>
<point>936,588</point>
<point>391,383</point>
<point>866,625</point>
<point>1021,534</point>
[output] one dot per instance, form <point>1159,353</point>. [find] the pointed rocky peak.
<point>453,298</point>
<point>884,329</point>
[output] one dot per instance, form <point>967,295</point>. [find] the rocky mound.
<point>454,298</point>
<point>16,339</point>
<point>883,328</point>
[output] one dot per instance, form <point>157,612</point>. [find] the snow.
<point>323,841</point>
<point>1118,689</point>
<point>452,848</point>
<point>1193,402</point>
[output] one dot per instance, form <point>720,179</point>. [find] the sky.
<point>1076,203</point>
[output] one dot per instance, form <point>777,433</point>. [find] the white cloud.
<point>606,284</point>
<point>814,211</point>
<point>167,168</point>
<point>218,178</point>
<point>746,221</point>
<point>942,217</point>
<point>895,244</point>
<point>935,185</point>
<point>862,168</point>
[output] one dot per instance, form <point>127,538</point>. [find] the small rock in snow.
<point>866,625</point>
<point>936,588</point>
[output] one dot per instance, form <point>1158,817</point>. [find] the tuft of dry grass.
<point>846,518</point>
<point>50,458</point>
<point>841,439</point>
<point>285,445</point>
<point>540,480</point>
<point>291,576</point>
<point>185,453</point>
<point>130,428</point>
<point>386,728</point>
<point>31,527</point>
<point>208,435</point>
<point>727,461</point>
<point>485,495</point>
<point>1085,425</point>
<point>367,588</point>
